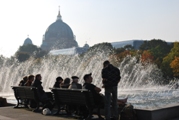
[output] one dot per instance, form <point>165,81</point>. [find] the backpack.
<point>128,113</point>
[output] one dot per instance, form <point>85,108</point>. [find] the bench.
<point>75,97</point>
<point>24,93</point>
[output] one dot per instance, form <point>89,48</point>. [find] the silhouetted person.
<point>111,77</point>
<point>94,89</point>
<point>41,93</point>
<point>37,83</point>
<point>75,84</point>
<point>58,82</point>
<point>29,81</point>
<point>23,81</point>
<point>66,83</point>
<point>98,98</point>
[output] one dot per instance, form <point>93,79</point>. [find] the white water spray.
<point>138,82</point>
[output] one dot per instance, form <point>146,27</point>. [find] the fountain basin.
<point>163,113</point>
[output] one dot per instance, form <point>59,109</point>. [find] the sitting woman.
<point>58,82</point>
<point>29,81</point>
<point>75,84</point>
<point>66,83</point>
<point>23,81</point>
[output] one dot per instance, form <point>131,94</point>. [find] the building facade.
<point>134,43</point>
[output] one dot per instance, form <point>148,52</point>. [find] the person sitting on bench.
<point>66,83</point>
<point>75,84</point>
<point>41,93</point>
<point>23,81</point>
<point>30,80</point>
<point>58,82</point>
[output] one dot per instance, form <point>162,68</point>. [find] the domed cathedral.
<point>58,36</point>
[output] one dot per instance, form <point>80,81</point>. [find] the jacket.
<point>111,76</point>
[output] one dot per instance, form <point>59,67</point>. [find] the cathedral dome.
<point>59,29</point>
<point>27,41</point>
<point>58,36</point>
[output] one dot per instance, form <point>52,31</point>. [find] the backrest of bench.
<point>78,97</point>
<point>73,96</point>
<point>62,95</point>
<point>25,92</point>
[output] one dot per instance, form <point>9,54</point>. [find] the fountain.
<point>138,83</point>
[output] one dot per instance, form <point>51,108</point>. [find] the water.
<point>140,83</point>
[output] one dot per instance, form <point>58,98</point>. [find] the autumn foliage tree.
<point>158,49</point>
<point>146,57</point>
<point>166,64</point>
<point>175,66</point>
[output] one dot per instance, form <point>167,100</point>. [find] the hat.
<point>75,77</point>
<point>86,76</point>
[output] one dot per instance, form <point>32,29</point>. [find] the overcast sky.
<point>94,21</point>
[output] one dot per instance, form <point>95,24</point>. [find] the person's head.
<point>66,81</point>
<point>87,78</point>
<point>31,77</point>
<point>38,77</point>
<point>25,78</point>
<point>106,63</point>
<point>75,78</point>
<point>59,79</point>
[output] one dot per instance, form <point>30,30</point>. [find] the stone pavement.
<point>10,113</point>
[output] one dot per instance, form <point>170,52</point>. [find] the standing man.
<point>111,77</point>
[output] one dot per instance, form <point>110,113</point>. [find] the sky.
<point>92,21</point>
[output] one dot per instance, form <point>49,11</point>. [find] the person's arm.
<point>97,89</point>
<point>119,75</point>
<point>104,76</point>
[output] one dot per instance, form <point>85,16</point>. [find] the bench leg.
<point>90,114</point>
<point>57,111</point>
<point>17,105</point>
<point>37,108</point>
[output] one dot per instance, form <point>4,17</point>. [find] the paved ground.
<point>10,113</point>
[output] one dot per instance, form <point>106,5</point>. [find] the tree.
<point>175,66</point>
<point>28,51</point>
<point>158,49</point>
<point>119,50</point>
<point>148,45</point>
<point>166,68</point>
<point>128,47</point>
<point>146,57</point>
<point>22,56</point>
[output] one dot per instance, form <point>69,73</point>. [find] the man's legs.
<point>107,103</point>
<point>114,103</point>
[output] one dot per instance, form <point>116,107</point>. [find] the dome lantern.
<point>59,17</point>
